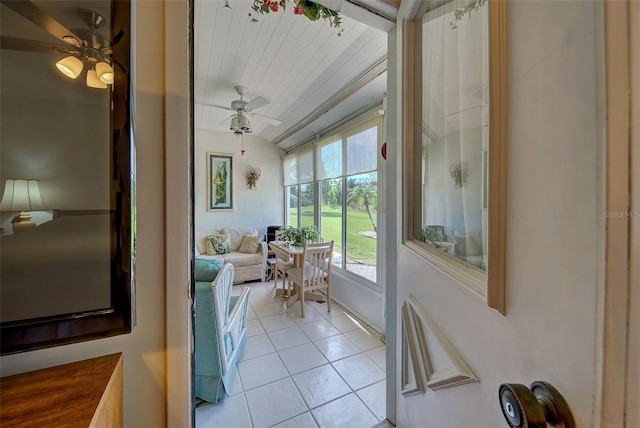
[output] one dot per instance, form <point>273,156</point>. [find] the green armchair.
<point>220,329</point>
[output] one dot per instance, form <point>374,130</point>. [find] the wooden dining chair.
<point>315,272</point>
<point>284,262</point>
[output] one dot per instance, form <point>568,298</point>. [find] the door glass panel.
<point>455,131</point>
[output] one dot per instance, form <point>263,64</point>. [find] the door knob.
<point>534,407</point>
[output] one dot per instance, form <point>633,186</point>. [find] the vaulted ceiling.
<point>311,76</point>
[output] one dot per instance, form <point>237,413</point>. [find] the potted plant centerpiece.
<point>298,235</point>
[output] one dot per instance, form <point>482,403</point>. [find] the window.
<point>457,150</point>
<point>299,191</point>
<point>306,202</point>
<point>362,221</point>
<point>343,196</point>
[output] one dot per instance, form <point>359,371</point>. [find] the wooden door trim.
<point>632,377</point>
<point>610,399</point>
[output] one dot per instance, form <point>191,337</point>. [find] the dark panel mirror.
<point>67,171</point>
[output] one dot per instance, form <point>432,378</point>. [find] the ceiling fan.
<point>83,49</point>
<point>240,123</point>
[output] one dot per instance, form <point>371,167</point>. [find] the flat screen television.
<point>65,110</point>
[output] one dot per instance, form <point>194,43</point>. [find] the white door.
<point>559,291</point>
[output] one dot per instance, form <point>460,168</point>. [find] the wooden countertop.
<point>81,394</point>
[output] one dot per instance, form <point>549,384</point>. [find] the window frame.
<point>489,286</point>
<point>362,123</point>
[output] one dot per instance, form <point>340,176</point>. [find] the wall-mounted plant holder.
<point>458,171</point>
<point>253,175</point>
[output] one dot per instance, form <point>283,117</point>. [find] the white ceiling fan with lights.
<point>240,123</point>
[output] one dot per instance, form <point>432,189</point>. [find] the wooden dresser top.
<point>66,395</point>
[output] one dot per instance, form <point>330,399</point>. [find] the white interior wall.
<point>362,301</point>
<point>144,349</point>
<point>259,207</point>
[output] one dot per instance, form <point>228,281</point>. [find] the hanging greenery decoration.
<point>458,14</point>
<point>313,11</point>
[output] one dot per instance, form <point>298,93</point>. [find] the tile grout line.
<point>313,342</point>
<point>330,363</point>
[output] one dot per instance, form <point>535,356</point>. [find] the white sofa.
<point>247,267</point>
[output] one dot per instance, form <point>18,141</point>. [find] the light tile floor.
<point>323,370</point>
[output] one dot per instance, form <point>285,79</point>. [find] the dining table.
<point>296,252</point>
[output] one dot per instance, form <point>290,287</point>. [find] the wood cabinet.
<point>82,394</point>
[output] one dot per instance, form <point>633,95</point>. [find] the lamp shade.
<point>235,125</point>
<point>70,66</point>
<point>105,72</point>
<point>93,81</point>
<point>244,123</point>
<point>21,195</point>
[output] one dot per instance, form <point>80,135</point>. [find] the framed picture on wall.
<point>219,182</point>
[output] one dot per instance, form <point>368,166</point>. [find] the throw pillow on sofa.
<point>218,244</point>
<point>250,244</point>
<point>206,270</point>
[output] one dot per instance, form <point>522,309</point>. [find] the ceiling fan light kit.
<point>93,51</point>
<point>105,72</point>
<point>84,49</point>
<point>240,123</point>
<point>93,81</point>
<point>245,126</point>
<point>70,66</point>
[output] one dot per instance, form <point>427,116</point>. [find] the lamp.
<point>235,124</point>
<point>23,196</point>
<point>70,66</point>
<point>93,81</point>
<point>244,123</point>
<point>98,76</point>
<point>105,72</point>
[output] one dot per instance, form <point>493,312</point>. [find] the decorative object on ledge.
<point>253,175</point>
<point>312,10</point>
<point>433,235</point>
<point>458,172</point>
<point>458,14</point>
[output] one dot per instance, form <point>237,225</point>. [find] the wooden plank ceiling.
<point>296,64</point>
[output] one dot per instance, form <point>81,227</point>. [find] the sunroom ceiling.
<point>296,64</point>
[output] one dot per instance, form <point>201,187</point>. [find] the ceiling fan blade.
<point>233,115</point>
<point>14,44</point>
<point>36,15</point>
<point>255,104</point>
<point>216,106</point>
<point>269,120</point>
